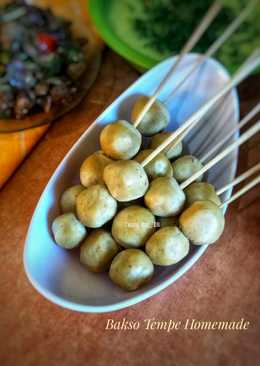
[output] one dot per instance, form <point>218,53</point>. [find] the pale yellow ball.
<point>160,166</point>
<point>172,151</point>
<point>68,232</point>
<point>91,171</point>
<point>126,180</point>
<point>98,250</point>
<point>185,166</point>
<point>202,223</point>
<point>201,191</point>
<point>131,269</point>
<point>155,119</point>
<point>95,206</point>
<point>133,226</point>
<point>167,246</point>
<point>68,198</point>
<point>165,197</point>
<point>120,140</point>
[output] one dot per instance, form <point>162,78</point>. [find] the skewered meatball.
<point>172,152</point>
<point>156,118</point>
<point>68,231</point>
<point>133,226</point>
<point>160,166</point>
<point>164,197</point>
<point>202,223</point>
<point>185,167</point>
<point>68,198</point>
<point>120,140</point>
<point>126,180</point>
<point>131,269</point>
<point>95,206</point>
<point>167,246</point>
<point>98,250</point>
<point>91,171</point>
<point>201,191</point>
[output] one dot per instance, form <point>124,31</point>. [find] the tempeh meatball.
<point>185,166</point>
<point>160,166</point>
<point>120,140</point>
<point>68,232</point>
<point>131,269</point>
<point>202,223</point>
<point>98,250</point>
<point>167,246</point>
<point>126,180</point>
<point>91,171</point>
<point>155,119</point>
<point>133,226</point>
<point>165,197</point>
<point>95,206</point>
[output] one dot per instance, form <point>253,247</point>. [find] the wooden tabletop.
<point>223,285</point>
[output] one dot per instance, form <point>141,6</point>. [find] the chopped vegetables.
<point>46,42</point>
<point>41,63</point>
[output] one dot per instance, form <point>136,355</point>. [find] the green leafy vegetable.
<point>165,25</point>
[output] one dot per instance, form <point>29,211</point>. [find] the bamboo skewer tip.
<point>242,191</point>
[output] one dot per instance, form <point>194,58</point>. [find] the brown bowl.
<point>76,12</point>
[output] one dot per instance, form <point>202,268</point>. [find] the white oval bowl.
<point>56,273</point>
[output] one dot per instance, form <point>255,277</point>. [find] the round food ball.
<point>91,171</point>
<point>167,221</point>
<point>126,180</point>
<point>171,151</point>
<point>155,119</point>
<point>98,250</point>
<point>95,206</point>
<point>202,223</point>
<point>185,167</point>
<point>68,231</point>
<point>120,140</point>
<point>160,166</point>
<point>68,198</point>
<point>201,191</point>
<point>167,246</point>
<point>131,269</point>
<point>133,226</point>
<point>165,197</point>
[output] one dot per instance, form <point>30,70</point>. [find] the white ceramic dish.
<point>56,273</point>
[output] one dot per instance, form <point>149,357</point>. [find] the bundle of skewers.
<point>139,207</point>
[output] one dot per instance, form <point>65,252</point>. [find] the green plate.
<point>99,13</point>
<point>127,45</point>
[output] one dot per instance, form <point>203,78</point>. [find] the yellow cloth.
<point>14,147</point>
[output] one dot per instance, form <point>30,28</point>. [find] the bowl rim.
<point>139,59</point>
<point>72,305</point>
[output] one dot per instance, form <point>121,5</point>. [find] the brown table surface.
<point>223,285</point>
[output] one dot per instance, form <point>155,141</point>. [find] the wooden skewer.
<point>243,122</point>
<point>181,137</point>
<point>196,35</point>
<point>242,191</point>
<point>239,179</point>
<point>216,45</point>
<point>242,139</point>
<point>250,64</point>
